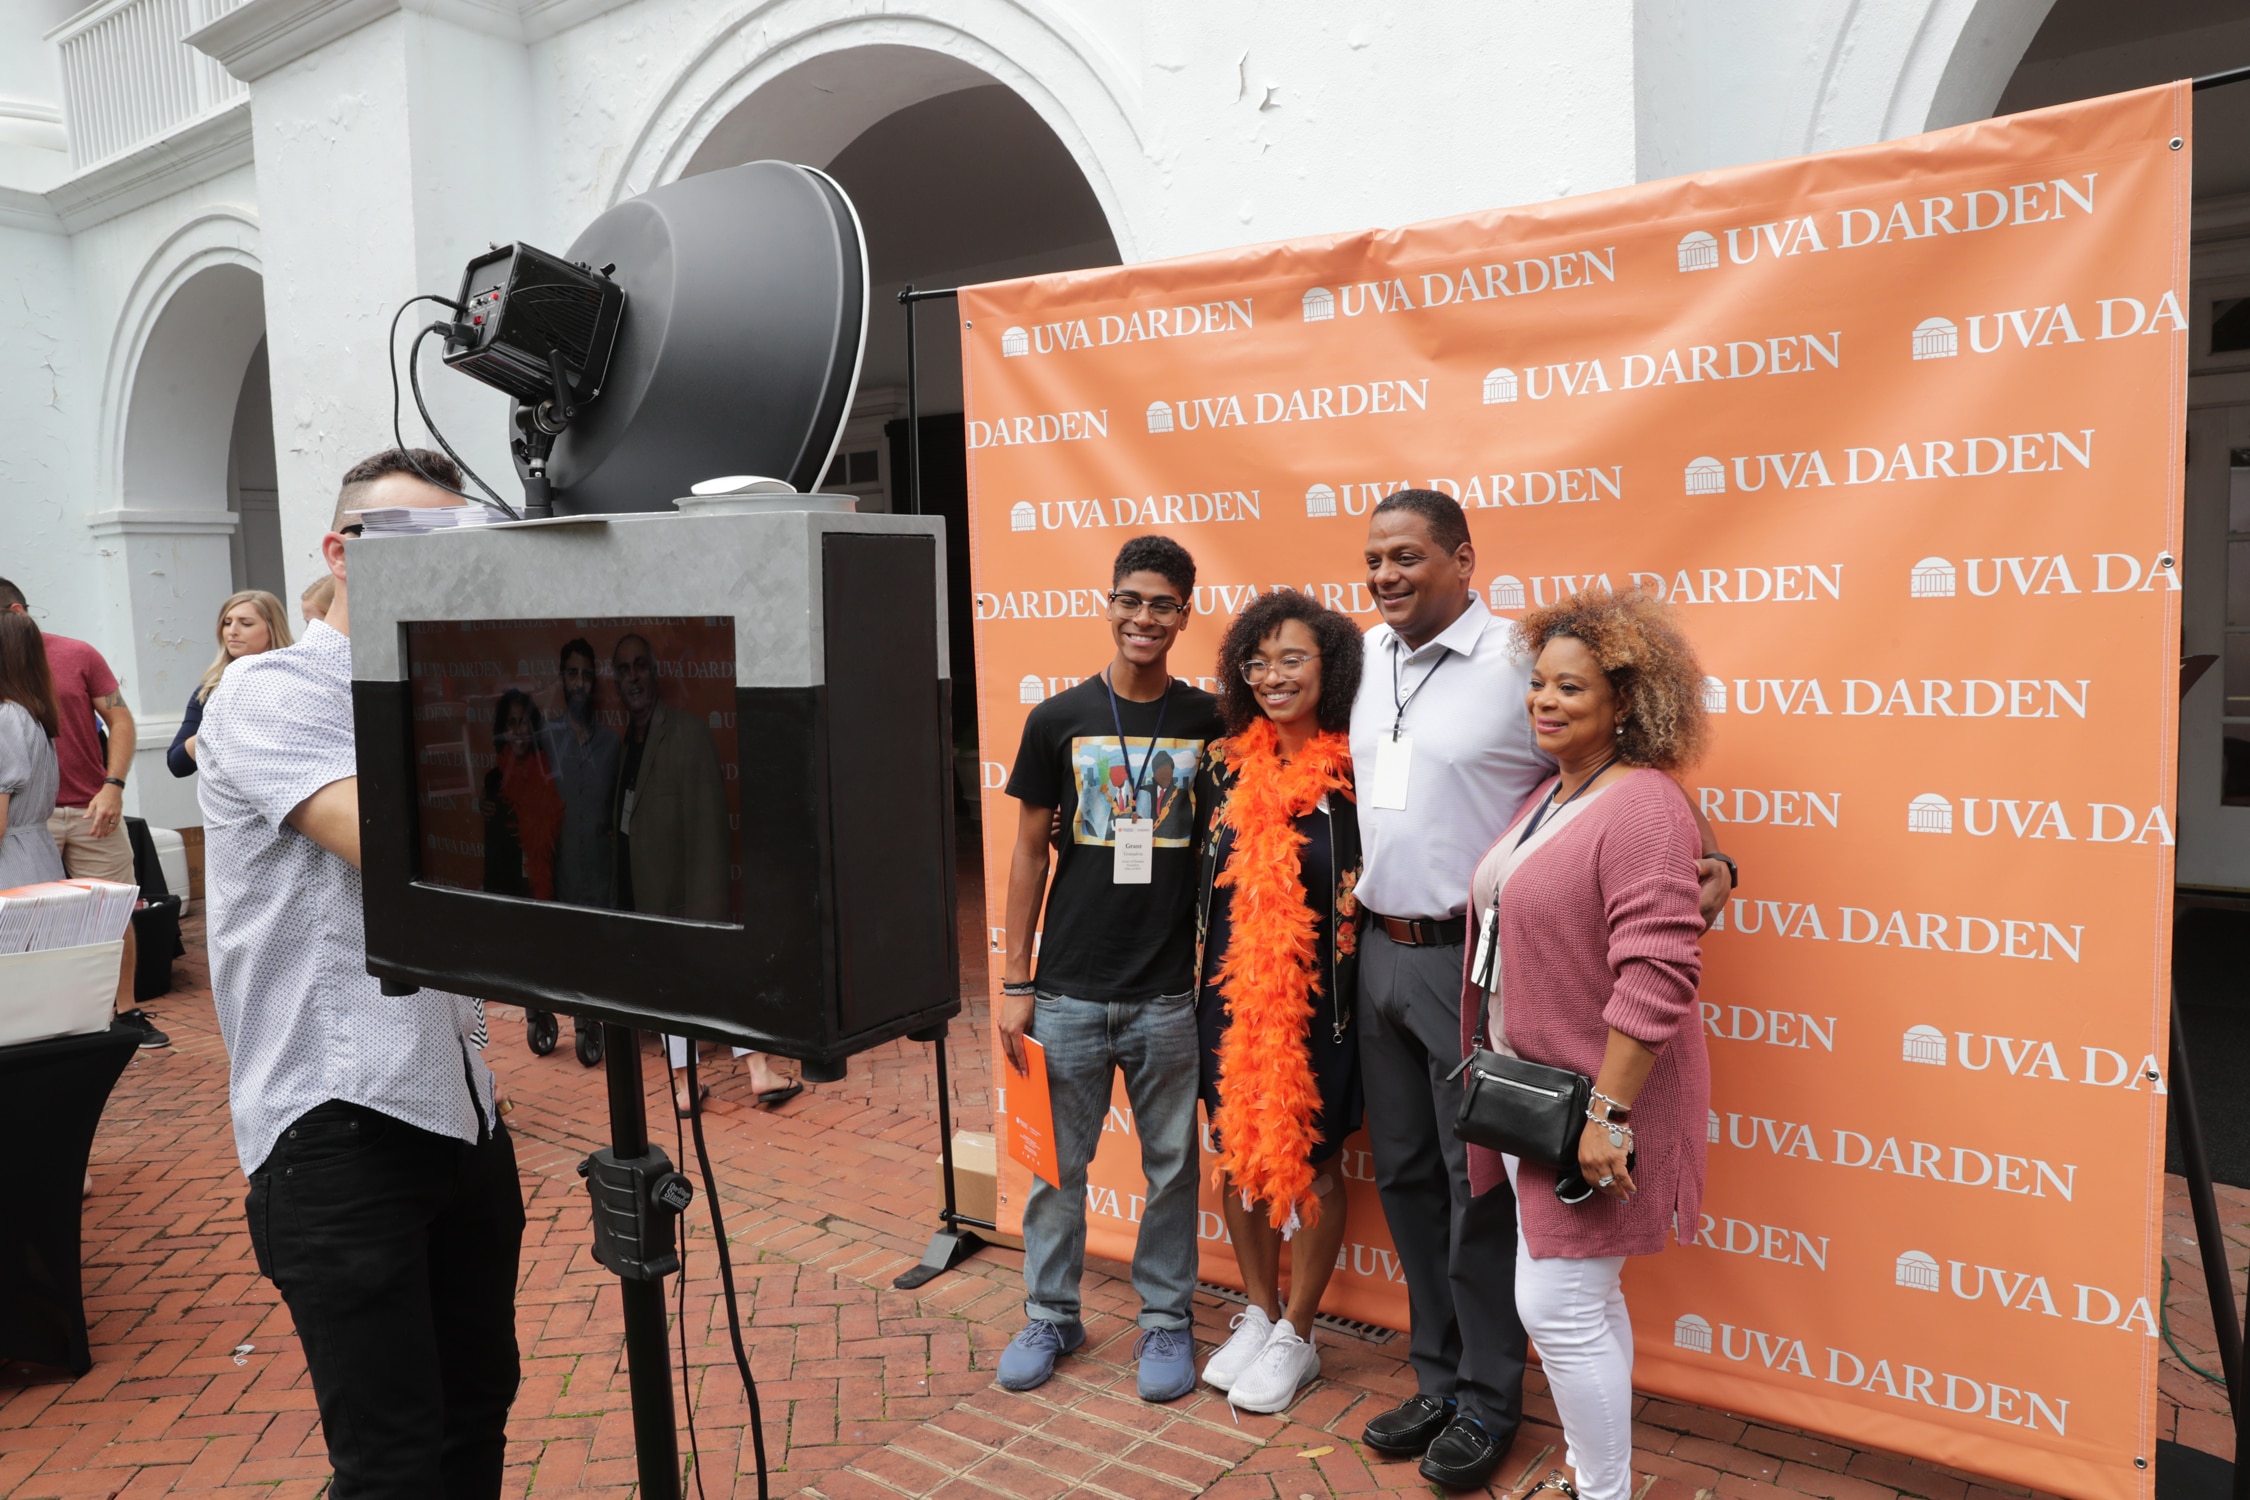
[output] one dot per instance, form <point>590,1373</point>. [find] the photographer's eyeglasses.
<point>1288,664</point>
<point>1127,605</point>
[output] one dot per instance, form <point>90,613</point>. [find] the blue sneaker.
<point>1167,1357</point>
<point>1030,1356</point>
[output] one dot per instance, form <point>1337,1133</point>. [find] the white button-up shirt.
<point>1475,760</point>
<point>304,1021</point>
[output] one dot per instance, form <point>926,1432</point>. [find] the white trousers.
<point>1574,1311</point>
<point>675,1048</point>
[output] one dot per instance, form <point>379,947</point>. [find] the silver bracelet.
<point>1612,1103</point>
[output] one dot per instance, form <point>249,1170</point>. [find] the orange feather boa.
<point>1268,1099</point>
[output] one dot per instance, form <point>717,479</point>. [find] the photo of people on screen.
<point>671,800</point>
<point>522,812</point>
<point>587,761</point>
<point>585,754</point>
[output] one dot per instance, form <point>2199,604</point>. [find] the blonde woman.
<point>251,623</point>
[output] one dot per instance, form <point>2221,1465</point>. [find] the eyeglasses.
<point>1288,664</point>
<point>1128,605</point>
<point>355,529</point>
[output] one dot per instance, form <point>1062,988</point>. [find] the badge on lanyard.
<point>1480,972</point>
<point>1394,758</point>
<point>1133,838</point>
<point>625,814</point>
<point>1134,857</point>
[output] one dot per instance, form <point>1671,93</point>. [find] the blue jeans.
<point>1154,1043</point>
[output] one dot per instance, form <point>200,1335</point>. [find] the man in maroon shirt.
<point>89,819</point>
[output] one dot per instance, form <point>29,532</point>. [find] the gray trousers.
<point>1458,1252</point>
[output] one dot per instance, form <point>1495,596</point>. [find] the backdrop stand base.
<point>2184,1473</point>
<point>947,1249</point>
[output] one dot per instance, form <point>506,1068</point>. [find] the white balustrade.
<point>129,79</point>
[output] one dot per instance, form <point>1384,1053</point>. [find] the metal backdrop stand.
<point>2184,1473</point>
<point>956,1238</point>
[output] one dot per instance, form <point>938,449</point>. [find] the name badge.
<point>625,813</point>
<point>1135,852</point>
<point>1480,972</point>
<point>1394,757</point>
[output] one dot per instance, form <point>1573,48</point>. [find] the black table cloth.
<point>51,1099</point>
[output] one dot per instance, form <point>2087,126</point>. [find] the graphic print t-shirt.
<point>1105,941</point>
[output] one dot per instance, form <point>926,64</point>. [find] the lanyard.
<point>1400,721</point>
<point>1550,805</point>
<point>1125,746</point>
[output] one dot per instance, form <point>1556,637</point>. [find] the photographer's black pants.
<point>396,1251</point>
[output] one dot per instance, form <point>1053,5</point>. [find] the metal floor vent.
<point>1366,1333</point>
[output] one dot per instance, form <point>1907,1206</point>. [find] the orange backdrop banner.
<point>1899,432</point>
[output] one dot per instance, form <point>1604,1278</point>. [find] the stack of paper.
<point>64,914</point>
<point>411,520</point>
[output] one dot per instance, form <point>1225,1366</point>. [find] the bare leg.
<point>764,1076</point>
<point>1312,1253</point>
<point>1257,1250</point>
<point>125,1001</point>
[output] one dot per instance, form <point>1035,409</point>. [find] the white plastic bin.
<point>58,991</point>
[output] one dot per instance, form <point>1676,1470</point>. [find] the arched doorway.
<point>957,180</point>
<point>198,504</point>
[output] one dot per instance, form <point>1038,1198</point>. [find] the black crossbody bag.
<point>1529,1110</point>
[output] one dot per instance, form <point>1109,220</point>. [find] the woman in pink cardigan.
<point>1593,894</point>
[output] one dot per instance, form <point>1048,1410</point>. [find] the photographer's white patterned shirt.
<point>304,1021</point>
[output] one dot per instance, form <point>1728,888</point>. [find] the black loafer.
<point>1406,1430</point>
<point>1464,1456</point>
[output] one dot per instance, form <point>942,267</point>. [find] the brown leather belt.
<point>1423,932</point>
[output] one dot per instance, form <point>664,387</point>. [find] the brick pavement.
<point>199,1388</point>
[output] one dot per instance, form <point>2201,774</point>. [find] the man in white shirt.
<point>1443,756</point>
<point>383,1195</point>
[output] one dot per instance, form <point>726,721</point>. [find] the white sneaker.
<point>1251,1330</point>
<point>1282,1369</point>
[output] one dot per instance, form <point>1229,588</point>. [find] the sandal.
<point>775,1098</point>
<point>702,1093</point>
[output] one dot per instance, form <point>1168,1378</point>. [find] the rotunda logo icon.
<point>1923,1044</point>
<point>1936,338</point>
<point>1320,304</point>
<point>1714,695</point>
<point>1929,813</point>
<point>1031,689</point>
<point>1160,416</point>
<point>1918,1271</point>
<point>1706,476</point>
<point>1014,342</point>
<point>1691,1332</point>
<point>1931,578</point>
<point>1712,1126</point>
<point>1320,501</point>
<point>1021,517</point>
<point>1507,592</point>
<point>1699,251</point>
<point>1499,386</point>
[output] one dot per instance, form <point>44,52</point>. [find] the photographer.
<point>383,1196</point>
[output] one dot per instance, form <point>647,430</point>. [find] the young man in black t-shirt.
<point>1116,984</point>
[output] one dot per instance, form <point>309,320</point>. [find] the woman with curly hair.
<point>1275,924</point>
<point>1587,959</point>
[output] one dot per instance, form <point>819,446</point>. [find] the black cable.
<point>414,379</point>
<point>399,437</point>
<point>687,1385</point>
<point>726,1272</point>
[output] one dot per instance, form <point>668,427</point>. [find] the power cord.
<point>687,1383</point>
<point>2164,1314</point>
<point>414,378</point>
<point>726,1270</point>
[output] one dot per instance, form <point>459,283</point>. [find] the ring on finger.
<point>1605,1182</point>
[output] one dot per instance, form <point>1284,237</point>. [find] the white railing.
<point>128,79</point>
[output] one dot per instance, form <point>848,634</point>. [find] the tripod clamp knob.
<point>637,1201</point>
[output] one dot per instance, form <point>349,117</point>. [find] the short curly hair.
<point>1341,647</point>
<point>1646,659</point>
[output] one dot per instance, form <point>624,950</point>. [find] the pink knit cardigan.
<point>1598,929</point>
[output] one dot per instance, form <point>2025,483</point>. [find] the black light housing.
<point>520,307</point>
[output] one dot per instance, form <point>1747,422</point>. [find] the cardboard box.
<point>976,1183</point>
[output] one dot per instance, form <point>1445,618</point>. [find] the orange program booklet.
<point>1031,1115</point>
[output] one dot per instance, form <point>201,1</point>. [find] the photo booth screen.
<point>590,762</point>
